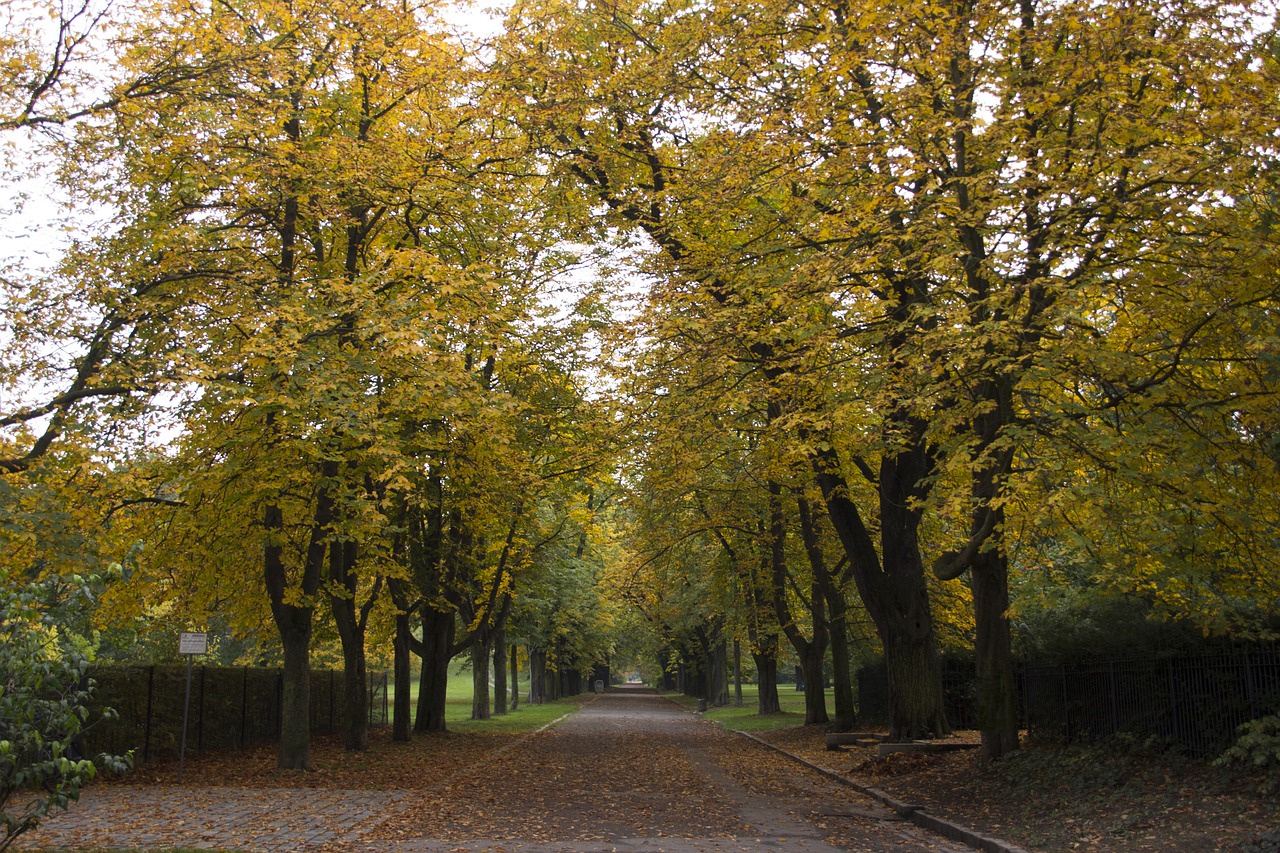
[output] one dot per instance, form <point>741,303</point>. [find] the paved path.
<point>631,773</point>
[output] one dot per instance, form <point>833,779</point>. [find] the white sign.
<point>193,644</point>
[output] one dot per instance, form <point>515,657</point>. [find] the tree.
<point>265,224</point>
<point>914,204</point>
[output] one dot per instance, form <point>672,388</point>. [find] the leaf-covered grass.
<point>745,719</point>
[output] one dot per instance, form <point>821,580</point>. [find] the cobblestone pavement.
<point>278,819</point>
<point>629,773</point>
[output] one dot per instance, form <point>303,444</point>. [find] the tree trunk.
<point>989,579</point>
<point>437,637</point>
<point>997,692</point>
<point>842,668</point>
<point>351,621</point>
<point>720,674</point>
<point>294,624</point>
<point>537,675</point>
<point>402,674</point>
<point>355,683</point>
<point>499,671</point>
<point>811,651</point>
<point>894,591</point>
<point>481,655</point>
<point>737,672</point>
<point>295,698</point>
<point>815,694</point>
<point>767,676</point>
<point>515,677</point>
<point>915,679</point>
<point>402,712</point>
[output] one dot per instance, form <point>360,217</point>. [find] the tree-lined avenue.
<point>630,771</point>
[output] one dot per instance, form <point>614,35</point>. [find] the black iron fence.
<point>230,707</point>
<point>1194,702</point>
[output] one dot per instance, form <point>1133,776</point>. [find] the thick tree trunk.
<point>997,691</point>
<point>355,684</point>
<point>767,675</point>
<point>295,698</point>
<point>915,678</point>
<point>551,685</point>
<point>437,638</point>
<point>499,644</point>
<point>989,579</point>
<point>537,675</point>
<point>894,591</point>
<point>720,674</point>
<point>294,624</point>
<point>815,694</point>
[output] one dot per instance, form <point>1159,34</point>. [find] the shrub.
<point>44,695</point>
<point>1258,747</point>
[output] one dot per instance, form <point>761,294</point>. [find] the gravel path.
<point>629,772</point>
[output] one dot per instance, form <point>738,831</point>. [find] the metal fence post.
<point>1251,685</point>
<point>1115,699</point>
<point>200,714</point>
<point>1175,716</point>
<point>151,692</point>
<point>1066,706</point>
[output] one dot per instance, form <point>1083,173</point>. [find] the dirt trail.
<point>631,771</point>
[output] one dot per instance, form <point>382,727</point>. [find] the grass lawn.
<point>457,709</point>
<point>745,719</point>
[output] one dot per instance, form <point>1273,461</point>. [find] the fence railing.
<point>1194,702</point>
<point>230,707</point>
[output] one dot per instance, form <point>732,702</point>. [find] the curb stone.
<point>909,811</point>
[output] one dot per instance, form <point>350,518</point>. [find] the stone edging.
<point>908,811</point>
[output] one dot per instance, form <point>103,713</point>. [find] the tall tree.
<point>282,161</point>
<point>947,188</point>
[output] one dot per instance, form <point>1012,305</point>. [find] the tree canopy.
<point>813,328</point>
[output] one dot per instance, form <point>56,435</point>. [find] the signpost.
<point>189,644</point>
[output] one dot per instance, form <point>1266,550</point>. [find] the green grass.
<point>457,708</point>
<point>745,719</point>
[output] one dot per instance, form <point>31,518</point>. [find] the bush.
<point>1258,747</point>
<point>44,695</point>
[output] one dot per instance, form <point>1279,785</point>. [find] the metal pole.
<point>186,707</point>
